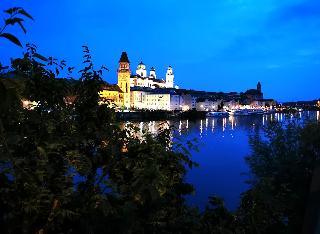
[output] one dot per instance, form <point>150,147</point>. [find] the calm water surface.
<point>222,148</point>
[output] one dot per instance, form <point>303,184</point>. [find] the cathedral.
<point>142,79</point>
<point>120,94</point>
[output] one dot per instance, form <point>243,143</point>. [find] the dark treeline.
<point>68,167</point>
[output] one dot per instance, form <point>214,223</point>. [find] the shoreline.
<point>190,115</point>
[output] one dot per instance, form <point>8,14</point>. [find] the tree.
<point>282,165</point>
<point>16,16</point>
<point>68,167</point>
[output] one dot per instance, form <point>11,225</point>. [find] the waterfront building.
<point>119,94</point>
<point>137,99</point>
<point>208,104</point>
<point>169,78</point>
<point>176,102</point>
<point>111,94</point>
<point>143,91</point>
<point>187,102</point>
<point>124,80</point>
<point>142,79</point>
<point>231,104</point>
<point>157,101</point>
<point>252,95</point>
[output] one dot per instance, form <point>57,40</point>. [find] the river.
<point>223,144</point>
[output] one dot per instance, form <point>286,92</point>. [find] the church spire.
<point>124,58</point>
<point>259,87</point>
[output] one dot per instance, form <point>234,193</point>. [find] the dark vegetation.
<point>67,167</point>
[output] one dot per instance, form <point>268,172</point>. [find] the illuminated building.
<point>142,79</point>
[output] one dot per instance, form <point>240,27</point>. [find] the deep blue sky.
<point>216,45</point>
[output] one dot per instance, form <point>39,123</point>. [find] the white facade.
<point>141,70</point>
<point>169,78</point>
<point>150,100</point>
<point>157,101</point>
<point>153,73</point>
<point>138,99</point>
<point>142,79</point>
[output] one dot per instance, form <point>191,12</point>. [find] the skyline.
<point>224,46</point>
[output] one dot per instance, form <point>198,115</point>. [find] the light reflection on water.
<point>223,145</point>
<point>230,123</point>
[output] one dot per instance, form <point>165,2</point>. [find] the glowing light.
<point>150,126</point>
<point>231,119</point>
<point>153,127</point>
<point>224,124</point>
<point>213,125</point>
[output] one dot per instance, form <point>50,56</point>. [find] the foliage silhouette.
<point>67,166</point>
<point>16,15</point>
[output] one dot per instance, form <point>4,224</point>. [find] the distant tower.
<point>141,70</point>
<point>169,77</point>
<point>124,78</point>
<point>153,73</point>
<point>259,87</point>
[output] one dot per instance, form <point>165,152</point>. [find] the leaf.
<point>26,14</point>
<point>11,38</point>
<point>12,10</point>
<point>22,27</point>
<point>13,21</point>
<point>39,56</point>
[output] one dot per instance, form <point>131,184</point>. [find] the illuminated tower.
<point>141,70</point>
<point>169,77</point>
<point>153,73</point>
<point>124,79</point>
<point>259,87</point>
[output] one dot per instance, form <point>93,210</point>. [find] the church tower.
<point>153,73</point>
<point>169,77</point>
<point>124,79</point>
<point>259,87</point>
<point>141,70</point>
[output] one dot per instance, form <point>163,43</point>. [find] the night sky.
<point>213,45</point>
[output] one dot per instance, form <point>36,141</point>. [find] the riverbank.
<point>160,115</point>
<point>190,115</point>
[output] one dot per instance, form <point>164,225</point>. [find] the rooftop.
<point>124,58</point>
